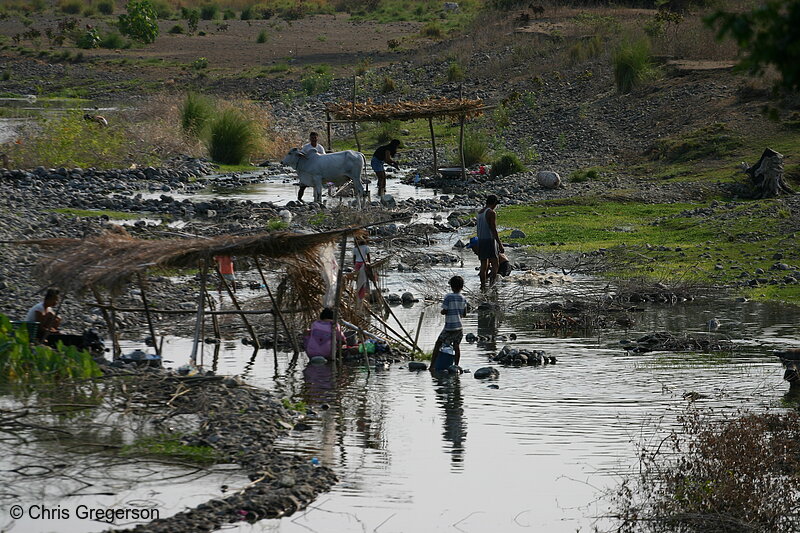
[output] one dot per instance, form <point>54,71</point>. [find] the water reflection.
<point>448,397</point>
<point>488,322</point>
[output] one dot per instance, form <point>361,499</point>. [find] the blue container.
<point>445,359</point>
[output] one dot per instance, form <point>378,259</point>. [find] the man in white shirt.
<point>44,314</point>
<point>311,145</point>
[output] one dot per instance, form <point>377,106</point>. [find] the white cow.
<point>313,168</point>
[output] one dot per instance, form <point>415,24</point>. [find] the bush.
<point>262,37</point>
<point>589,174</point>
<point>22,362</point>
<point>506,164</point>
<point>388,85</point>
<point>196,113</point>
<point>632,65</point>
<point>140,22</point>
<point>209,11</point>
<point>247,13</point>
<point>163,9</point>
<point>455,72</point>
<point>70,7</point>
<point>89,11</point>
<point>432,30</point>
<point>232,138</point>
<point>177,29</point>
<point>192,17</point>
<point>105,7</point>
<point>88,39</point>
<point>200,63</point>
<point>476,148</point>
<point>228,14</point>
<point>316,83</point>
<point>113,41</point>
<point>388,131</point>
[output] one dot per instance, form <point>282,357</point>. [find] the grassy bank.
<point>714,243</point>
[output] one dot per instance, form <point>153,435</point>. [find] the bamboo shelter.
<point>369,111</point>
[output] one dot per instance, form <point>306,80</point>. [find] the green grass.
<point>740,239</point>
<point>168,445</point>
<point>236,168</point>
<point>632,65</point>
<point>232,137</point>
<point>114,215</point>
<point>197,112</point>
<point>711,141</point>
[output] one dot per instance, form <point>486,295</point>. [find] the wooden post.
<point>238,308</point>
<point>335,343</point>
<point>416,333</point>
<point>461,146</point>
<point>147,314</point>
<point>214,320</point>
<point>328,129</point>
<point>112,327</point>
<point>276,309</point>
<point>200,309</point>
<point>433,145</point>
<point>353,115</point>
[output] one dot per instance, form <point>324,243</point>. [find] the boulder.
<point>517,234</point>
<point>416,366</point>
<point>487,372</point>
<point>548,179</point>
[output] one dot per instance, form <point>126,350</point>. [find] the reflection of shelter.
<point>108,262</point>
<point>448,396</point>
<point>461,108</point>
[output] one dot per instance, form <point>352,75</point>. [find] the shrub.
<point>388,131</point>
<point>209,11</point>
<point>140,22</point>
<point>632,65</point>
<point>70,7</point>
<point>200,63</point>
<point>432,30</point>
<point>232,138</point>
<point>388,85</point>
<point>247,13</point>
<point>229,14</point>
<point>455,72</point>
<point>22,362</point>
<point>262,37</point>
<point>589,174</point>
<point>196,112</point>
<point>476,148</point>
<point>88,39</point>
<point>113,41</point>
<point>89,11</point>
<point>105,7</point>
<point>316,83</point>
<point>192,17</point>
<point>177,29</point>
<point>163,9</point>
<point>506,164</point>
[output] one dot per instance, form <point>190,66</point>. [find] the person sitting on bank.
<point>384,156</point>
<point>45,315</point>
<point>311,146</point>
<point>318,338</point>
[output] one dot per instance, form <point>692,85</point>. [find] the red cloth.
<point>225,264</point>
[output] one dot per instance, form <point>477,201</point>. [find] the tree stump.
<point>766,176</point>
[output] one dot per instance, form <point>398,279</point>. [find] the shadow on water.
<point>448,397</point>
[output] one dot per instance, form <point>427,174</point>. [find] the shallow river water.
<point>415,452</point>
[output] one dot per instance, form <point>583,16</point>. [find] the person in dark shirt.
<point>383,156</point>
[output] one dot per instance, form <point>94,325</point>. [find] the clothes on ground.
<point>451,337</point>
<point>456,306</point>
<point>308,148</point>
<point>318,340</point>
<point>31,316</point>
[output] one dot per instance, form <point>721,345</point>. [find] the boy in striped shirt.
<point>454,307</point>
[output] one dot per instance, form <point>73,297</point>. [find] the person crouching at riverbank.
<point>45,315</point>
<point>454,307</point>
<point>318,338</point>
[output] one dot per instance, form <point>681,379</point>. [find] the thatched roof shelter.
<point>110,260</point>
<point>430,108</point>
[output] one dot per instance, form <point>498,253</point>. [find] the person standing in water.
<point>384,156</point>
<point>489,245</point>
<point>310,146</point>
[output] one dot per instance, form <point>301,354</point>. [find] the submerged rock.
<point>417,365</point>
<point>487,372</point>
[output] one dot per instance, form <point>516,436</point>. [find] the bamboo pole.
<point>214,320</point>
<point>276,311</point>
<point>353,107</point>
<point>416,333</point>
<point>112,328</point>
<point>398,336</point>
<point>335,343</point>
<point>200,308</point>
<point>238,308</point>
<point>189,311</point>
<point>461,146</point>
<point>147,314</point>
<point>433,145</point>
<point>390,312</point>
<point>328,129</point>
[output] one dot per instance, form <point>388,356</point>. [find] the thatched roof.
<point>430,108</point>
<point>111,259</point>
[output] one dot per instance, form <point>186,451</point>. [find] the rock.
<point>417,365</point>
<point>388,201</point>
<point>517,234</point>
<point>470,338</point>
<point>487,372</point>
<point>407,298</point>
<point>548,179</point>
<point>318,360</point>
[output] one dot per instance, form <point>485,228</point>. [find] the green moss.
<point>714,140</point>
<point>168,445</point>
<point>237,168</point>
<point>299,406</point>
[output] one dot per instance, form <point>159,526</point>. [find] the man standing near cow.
<point>383,156</point>
<point>311,145</point>
<point>489,245</point>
